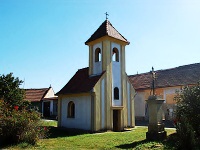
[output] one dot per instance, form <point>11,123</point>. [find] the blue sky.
<point>42,41</point>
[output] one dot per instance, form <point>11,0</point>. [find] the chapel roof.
<point>178,76</point>
<point>106,29</point>
<point>34,95</point>
<point>81,82</point>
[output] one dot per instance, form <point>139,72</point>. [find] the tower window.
<point>97,54</point>
<point>115,55</point>
<point>116,93</point>
<point>71,110</point>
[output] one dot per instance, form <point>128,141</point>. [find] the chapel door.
<point>116,120</point>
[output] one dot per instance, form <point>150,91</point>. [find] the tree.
<point>10,91</point>
<point>188,116</point>
<point>17,122</point>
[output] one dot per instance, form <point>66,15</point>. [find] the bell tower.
<point>107,54</point>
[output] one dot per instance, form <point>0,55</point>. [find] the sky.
<point>43,41</point>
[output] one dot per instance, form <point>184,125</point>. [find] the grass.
<point>51,123</point>
<point>76,139</point>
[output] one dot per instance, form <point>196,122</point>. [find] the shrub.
<point>20,125</point>
<point>17,122</point>
<point>188,117</point>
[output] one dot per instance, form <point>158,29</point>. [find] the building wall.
<point>82,119</point>
<point>50,93</point>
<point>169,104</point>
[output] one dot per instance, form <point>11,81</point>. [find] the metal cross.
<point>153,80</point>
<point>107,15</point>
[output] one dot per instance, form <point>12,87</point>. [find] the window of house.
<point>71,110</point>
<point>116,93</point>
<point>115,55</point>
<point>97,54</point>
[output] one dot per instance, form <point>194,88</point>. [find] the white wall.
<point>116,76</point>
<point>82,119</point>
<point>97,67</point>
<point>140,104</point>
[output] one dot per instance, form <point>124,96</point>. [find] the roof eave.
<point>89,42</point>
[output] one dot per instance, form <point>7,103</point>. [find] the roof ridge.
<point>36,88</point>
<point>160,70</point>
<point>107,26</point>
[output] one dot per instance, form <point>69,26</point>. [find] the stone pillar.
<point>156,129</point>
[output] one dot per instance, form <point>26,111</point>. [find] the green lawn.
<point>67,139</point>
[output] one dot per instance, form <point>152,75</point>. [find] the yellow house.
<point>168,81</point>
<point>99,97</point>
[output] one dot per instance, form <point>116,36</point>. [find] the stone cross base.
<point>156,129</point>
<point>156,135</point>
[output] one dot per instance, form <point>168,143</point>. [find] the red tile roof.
<point>106,29</point>
<point>81,82</point>
<point>179,76</point>
<point>34,95</point>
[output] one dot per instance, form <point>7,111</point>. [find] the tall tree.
<point>10,91</point>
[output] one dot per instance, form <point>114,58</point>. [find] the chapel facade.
<point>99,97</point>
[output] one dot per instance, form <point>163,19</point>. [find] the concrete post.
<point>156,129</point>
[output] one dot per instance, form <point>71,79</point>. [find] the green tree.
<point>17,122</point>
<point>10,91</point>
<point>188,116</point>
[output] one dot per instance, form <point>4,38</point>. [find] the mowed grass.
<point>76,139</point>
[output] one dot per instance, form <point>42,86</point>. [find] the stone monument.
<point>156,130</point>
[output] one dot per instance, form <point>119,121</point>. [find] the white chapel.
<point>99,97</point>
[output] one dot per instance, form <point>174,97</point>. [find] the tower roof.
<point>106,29</point>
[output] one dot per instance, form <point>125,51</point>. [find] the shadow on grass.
<point>168,143</point>
<point>55,132</point>
<point>132,145</point>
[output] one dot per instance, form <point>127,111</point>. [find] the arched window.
<point>116,93</point>
<point>115,56</point>
<point>71,110</point>
<point>97,54</point>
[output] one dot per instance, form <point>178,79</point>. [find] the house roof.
<point>178,76</point>
<point>106,29</point>
<point>81,82</point>
<point>35,95</point>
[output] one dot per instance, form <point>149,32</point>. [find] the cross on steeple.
<point>107,15</point>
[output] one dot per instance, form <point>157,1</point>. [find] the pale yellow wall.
<point>124,88</point>
<point>50,93</point>
<point>97,105</point>
<point>90,60</point>
<point>167,93</point>
<point>132,106</point>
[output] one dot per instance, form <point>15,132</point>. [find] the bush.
<point>20,125</point>
<point>188,117</point>
<point>17,122</point>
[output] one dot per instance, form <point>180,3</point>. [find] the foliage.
<point>188,116</point>
<point>10,91</point>
<point>17,122</point>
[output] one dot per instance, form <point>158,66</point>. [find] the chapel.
<point>99,97</point>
